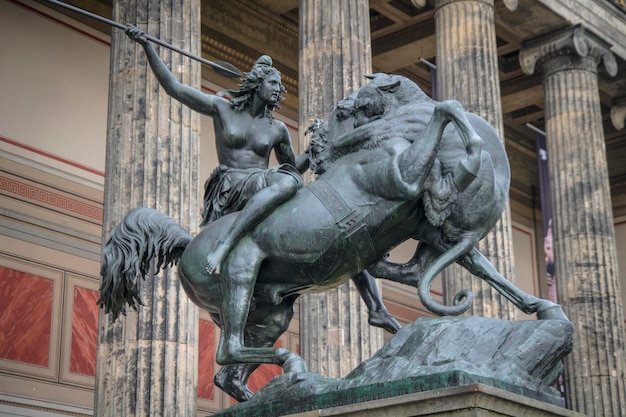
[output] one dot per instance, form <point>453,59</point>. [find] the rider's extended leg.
<point>280,188</point>
<point>378,314</point>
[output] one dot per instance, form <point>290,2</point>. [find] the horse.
<point>445,186</point>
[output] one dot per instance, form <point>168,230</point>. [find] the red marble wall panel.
<point>84,332</point>
<point>206,359</point>
<point>25,317</point>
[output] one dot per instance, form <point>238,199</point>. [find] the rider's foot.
<point>384,320</point>
<point>215,258</point>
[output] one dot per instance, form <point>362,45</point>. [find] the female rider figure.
<point>245,135</point>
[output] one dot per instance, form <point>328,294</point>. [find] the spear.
<point>222,68</point>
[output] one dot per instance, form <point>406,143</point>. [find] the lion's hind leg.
<point>479,265</point>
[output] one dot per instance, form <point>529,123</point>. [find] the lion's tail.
<point>143,235</point>
<point>464,298</point>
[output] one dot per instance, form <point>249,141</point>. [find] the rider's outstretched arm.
<point>191,97</point>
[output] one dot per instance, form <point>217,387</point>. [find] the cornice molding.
<point>603,17</point>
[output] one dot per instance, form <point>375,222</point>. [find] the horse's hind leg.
<point>230,378</point>
<point>237,285</point>
<point>266,323</point>
<point>479,265</point>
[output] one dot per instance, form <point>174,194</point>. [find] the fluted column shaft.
<point>584,236</point>
<point>334,57</point>
<point>467,71</point>
<point>147,360</point>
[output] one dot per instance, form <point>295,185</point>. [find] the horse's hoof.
<point>230,383</point>
<point>551,311</point>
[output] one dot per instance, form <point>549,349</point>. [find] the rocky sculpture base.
<point>520,357</point>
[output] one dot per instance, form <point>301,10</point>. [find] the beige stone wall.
<point>54,83</point>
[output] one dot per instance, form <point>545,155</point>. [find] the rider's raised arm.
<point>191,97</point>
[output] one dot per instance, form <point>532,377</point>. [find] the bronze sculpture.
<point>400,173</point>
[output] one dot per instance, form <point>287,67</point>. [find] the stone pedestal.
<point>467,71</point>
<point>147,360</point>
<point>425,358</point>
<point>335,56</point>
<point>584,237</point>
<point>473,400</point>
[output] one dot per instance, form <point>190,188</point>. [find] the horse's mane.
<point>406,112</point>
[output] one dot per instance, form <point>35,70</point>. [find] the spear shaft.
<point>223,68</point>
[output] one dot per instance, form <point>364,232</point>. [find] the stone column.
<point>147,360</point>
<point>467,70</point>
<point>584,236</point>
<point>334,58</point>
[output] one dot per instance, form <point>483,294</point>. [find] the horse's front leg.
<point>378,314</point>
<point>417,160</point>
<point>467,168</point>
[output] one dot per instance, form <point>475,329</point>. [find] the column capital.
<point>586,49</point>
<point>510,4</point>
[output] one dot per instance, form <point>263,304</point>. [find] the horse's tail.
<point>143,235</point>
<point>464,298</point>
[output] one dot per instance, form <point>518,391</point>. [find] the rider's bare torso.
<point>246,141</point>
